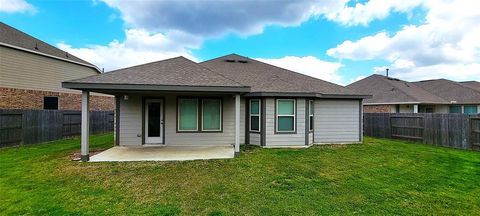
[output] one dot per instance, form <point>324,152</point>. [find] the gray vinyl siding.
<point>131,123</point>
<point>337,121</point>
<point>295,139</point>
<point>131,120</point>
<point>23,70</point>
<point>255,139</point>
<point>310,138</point>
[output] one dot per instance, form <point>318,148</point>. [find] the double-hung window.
<point>310,114</point>
<point>255,115</point>
<point>285,115</point>
<point>191,111</point>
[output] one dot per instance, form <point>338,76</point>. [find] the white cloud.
<point>16,6</point>
<point>215,18</point>
<point>445,45</point>
<point>309,65</point>
<point>139,47</point>
<point>362,14</point>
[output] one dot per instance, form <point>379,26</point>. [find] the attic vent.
<point>66,54</point>
<point>230,60</point>
<point>242,61</point>
<point>36,46</point>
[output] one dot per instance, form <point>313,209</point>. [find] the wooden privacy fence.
<point>36,126</point>
<point>450,130</point>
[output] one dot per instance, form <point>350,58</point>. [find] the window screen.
<point>455,109</point>
<point>211,115</point>
<point>255,115</point>
<point>470,109</point>
<point>187,114</point>
<point>285,115</point>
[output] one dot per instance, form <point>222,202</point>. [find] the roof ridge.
<point>148,63</point>
<point>200,64</point>
<point>385,79</point>
<point>462,86</point>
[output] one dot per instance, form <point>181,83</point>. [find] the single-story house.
<point>391,95</point>
<point>226,101</point>
<point>463,98</point>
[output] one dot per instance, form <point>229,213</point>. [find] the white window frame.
<point>250,115</point>
<point>221,113</point>
<point>294,116</point>
<point>311,113</point>
<point>178,115</point>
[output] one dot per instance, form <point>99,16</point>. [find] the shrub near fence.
<point>36,126</point>
<point>450,130</point>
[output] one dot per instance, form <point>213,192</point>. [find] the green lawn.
<point>378,177</point>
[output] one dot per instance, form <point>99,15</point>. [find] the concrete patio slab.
<point>164,153</point>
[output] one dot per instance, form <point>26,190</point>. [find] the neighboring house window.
<point>397,108</point>
<point>455,109</point>
<point>211,115</point>
<point>470,109</point>
<point>285,115</point>
<point>428,109</point>
<point>187,115</point>
<point>255,115</point>
<point>310,114</point>
<point>50,103</point>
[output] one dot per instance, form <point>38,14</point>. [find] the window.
<point>455,109</point>
<point>50,103</point>
<point>310,114</point>
<point>191,111</point>
<point>255,115</point>
<point>211,115</point>
<point>187,115</point>
<point>470,109</point>
<point>285,115</point>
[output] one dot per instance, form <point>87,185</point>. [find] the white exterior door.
<point>154,121</point>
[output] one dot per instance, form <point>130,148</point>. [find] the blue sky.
<point>339,41</point>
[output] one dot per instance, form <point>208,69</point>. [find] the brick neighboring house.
<point>391,95</point>
<point>31,73</point>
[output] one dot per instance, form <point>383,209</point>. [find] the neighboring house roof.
<point>14,38</point>
<point>172,72</point>
<point>451,91</point>
<point>231,71</point>
<point>472,84</point>
<point>386,90</point>
<point>266,78</point>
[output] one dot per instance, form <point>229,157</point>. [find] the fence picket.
<point>450,130</point>
<point>36,126</point>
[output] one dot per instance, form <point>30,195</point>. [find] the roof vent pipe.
<point>387,71</point>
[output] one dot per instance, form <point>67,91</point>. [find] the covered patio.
<point>164,153</point>
<point>162,116</point>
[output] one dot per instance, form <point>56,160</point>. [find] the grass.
<point>379,177</point>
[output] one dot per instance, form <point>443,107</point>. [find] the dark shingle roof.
<point>263,77</point>
<point>177,71</point>
<point>14,37</point>
<point>389,90</point>
<point>472,84</point>
<point>451,91</point>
